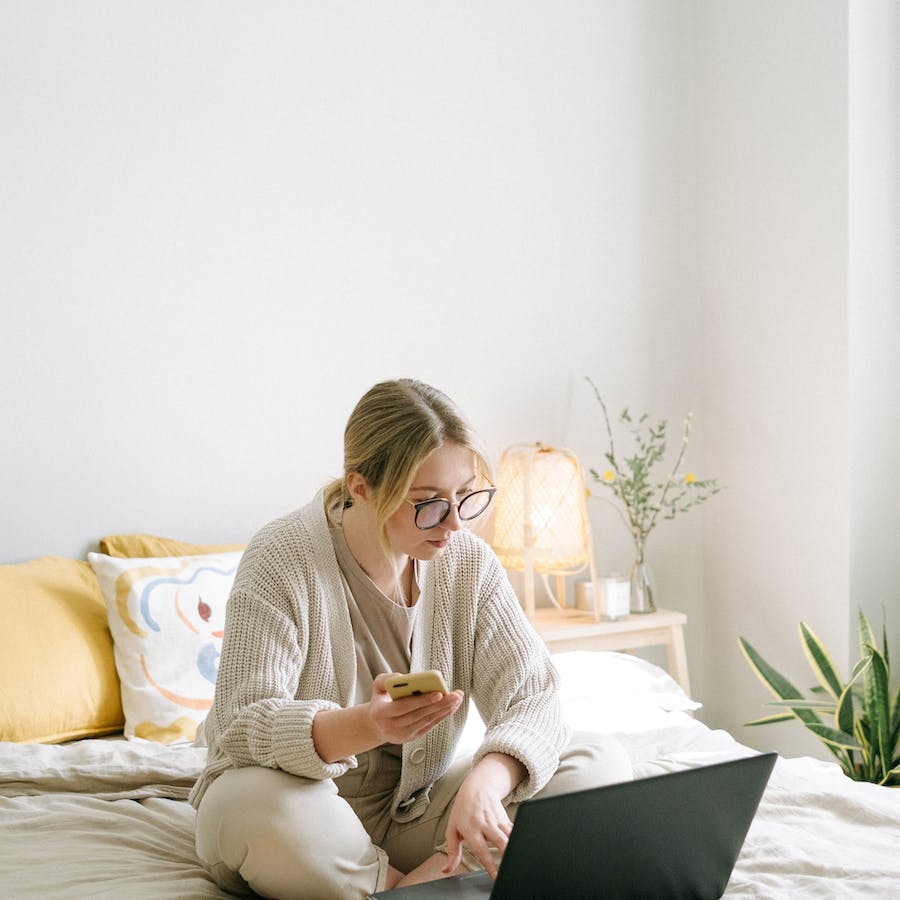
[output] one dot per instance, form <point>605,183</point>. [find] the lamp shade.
<point>540,520</point>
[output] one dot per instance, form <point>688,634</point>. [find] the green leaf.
<point>861,732</point>
<point>769,720</point>
<point>895,725</point>
<point>820,661</point>
<point>824,706</point>
<point>775,681</point>
<point>833,737</point>
<point>844,713</point>
<point>866,635</point>
<point>878,708</point>
<point>772,679</point>
<point>858,666</point>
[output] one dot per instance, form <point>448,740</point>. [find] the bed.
<point>94,778</point>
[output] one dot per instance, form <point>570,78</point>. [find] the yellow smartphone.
<point>415,683</point>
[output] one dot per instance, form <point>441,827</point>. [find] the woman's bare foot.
<point>393,878</point>
<point>430,870</point>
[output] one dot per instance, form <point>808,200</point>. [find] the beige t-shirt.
<point>382,628</point>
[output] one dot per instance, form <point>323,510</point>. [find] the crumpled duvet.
<point>108,818</point>
<point>99,818</point>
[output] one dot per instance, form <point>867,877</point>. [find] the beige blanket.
<point>107,818</point>
<point>103,818</point>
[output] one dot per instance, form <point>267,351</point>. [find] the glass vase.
<point>642,585</point>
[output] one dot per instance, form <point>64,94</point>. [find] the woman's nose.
<point>453,521</point>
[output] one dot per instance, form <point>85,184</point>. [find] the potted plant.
<point>857,720</point>
<point>643,496</point>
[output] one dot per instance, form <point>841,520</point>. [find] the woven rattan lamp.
<point>541,522</point>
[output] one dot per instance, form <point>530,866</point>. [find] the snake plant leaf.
<point>773,680</point>
<point>844,713</point>
<point>878,702</point>
<point>866,635</point>
<point>833,737</point>
<point>823,706</point>
<point>820,661</point>
<point>776,682</point>
<point>865,748</point>
<point>768,720</point>
<point>858,666</point>
<point>895,724</point>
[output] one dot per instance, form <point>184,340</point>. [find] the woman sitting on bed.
<point>318,784</point>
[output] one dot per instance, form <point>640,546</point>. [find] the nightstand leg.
<point>677,656</point>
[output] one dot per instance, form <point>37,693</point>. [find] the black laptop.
<point>669,836</point>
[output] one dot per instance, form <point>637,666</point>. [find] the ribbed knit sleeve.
<point>257,719</point>
<point>515,685</point>
<point>281,652</point>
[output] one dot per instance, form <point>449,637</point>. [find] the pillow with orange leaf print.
<point>166,616</point>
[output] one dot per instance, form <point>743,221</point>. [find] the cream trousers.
<point>265,831</point>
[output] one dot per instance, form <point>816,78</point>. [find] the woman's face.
<point>448,472</point>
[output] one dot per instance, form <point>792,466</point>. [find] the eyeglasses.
<point>430,513</point>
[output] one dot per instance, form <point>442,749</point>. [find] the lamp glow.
<point>541,522</point>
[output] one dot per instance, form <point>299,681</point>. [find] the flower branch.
<point>642,500</point>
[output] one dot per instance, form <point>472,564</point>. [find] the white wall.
<point>874,314</point>
<point>221,222</point>
<point>772,114</point>
<point>798,112</point>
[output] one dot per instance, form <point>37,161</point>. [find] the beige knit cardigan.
<point>288,652</point>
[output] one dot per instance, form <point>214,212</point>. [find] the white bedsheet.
<point>109,819</point>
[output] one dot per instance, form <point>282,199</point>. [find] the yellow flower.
<point>690,478</point>
<point>609,476</point>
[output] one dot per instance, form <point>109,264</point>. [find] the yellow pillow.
<point>58,676</point>
<point>132,546</point>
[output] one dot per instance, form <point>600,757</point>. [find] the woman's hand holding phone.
<point>415,683</point>
<point>422,700</point>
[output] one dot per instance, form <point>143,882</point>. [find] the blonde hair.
<point>393,428</point>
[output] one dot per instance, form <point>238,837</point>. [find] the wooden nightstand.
<point>576,630</point>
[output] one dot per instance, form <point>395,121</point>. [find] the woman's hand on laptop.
<point>477,816</point>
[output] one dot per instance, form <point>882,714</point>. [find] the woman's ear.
<point>357,487</point>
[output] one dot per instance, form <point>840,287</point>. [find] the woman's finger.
<point>454,854</point>
<point>479,846</point>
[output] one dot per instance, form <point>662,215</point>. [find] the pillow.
<point>146,545</point>
<point>619,678</point>
<point>603,691</point>
<point>57,676</point>
<point>166,615</point>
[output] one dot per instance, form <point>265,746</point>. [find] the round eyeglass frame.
<point>448,505</point>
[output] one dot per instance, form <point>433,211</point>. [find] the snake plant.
<point>858,721</point>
